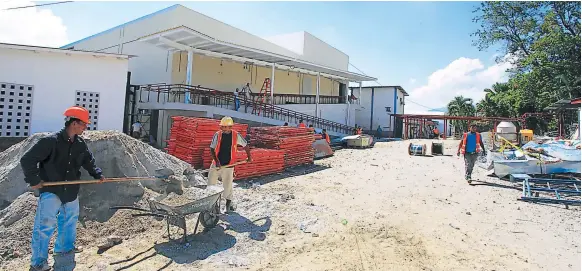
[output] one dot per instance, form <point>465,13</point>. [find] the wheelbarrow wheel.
<point>209,219</point>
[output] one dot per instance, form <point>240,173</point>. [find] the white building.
<point>37,84</point>
<point>374,106</point>
<point>179,48</point>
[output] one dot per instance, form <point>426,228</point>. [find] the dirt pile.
<point>118,155</point>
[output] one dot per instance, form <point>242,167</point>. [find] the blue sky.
<point>401,43</point>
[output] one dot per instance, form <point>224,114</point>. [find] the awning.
<point>185,39</point>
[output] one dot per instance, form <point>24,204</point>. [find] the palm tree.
<point>460,106</point>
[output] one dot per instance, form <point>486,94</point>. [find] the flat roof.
<point>183,38</point>
<point>58,50</point>
<point>397,87</point>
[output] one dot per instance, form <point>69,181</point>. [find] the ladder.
<point>261,100</point>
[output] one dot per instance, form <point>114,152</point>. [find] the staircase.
<point>176,93</point>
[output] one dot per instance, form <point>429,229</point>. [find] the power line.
<point>39,5</point>
<point>406,99</point>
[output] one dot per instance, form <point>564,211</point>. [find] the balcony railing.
<point>177,93</point>
<point>303,99</point>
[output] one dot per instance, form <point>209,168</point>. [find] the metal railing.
<point>302,99</point>
<point>178,93</point>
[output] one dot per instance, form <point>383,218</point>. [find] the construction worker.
<point>136,129</point>
<point>58,157</point>
<point>301,124</point>
<point>325,136</point>
<point>435,132</point>
<point>471,146</point>
<point>223,149</point>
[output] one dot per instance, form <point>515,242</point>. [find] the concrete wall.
<point>333,112</point>
<point>57,77</point>
<point>319,52</point>
<point>383,97</point>
<point>226,75</point>
<point>312,49</point>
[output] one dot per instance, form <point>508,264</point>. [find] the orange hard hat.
<point>77,112</point>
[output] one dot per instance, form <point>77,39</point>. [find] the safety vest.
<point>301,125</point>
<point>233,147</point>
<point>477,141</point>
<point>326,136</point>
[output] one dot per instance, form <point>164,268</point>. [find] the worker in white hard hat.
<point>223,149</point>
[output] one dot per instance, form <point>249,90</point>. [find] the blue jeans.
<point>236,103</point>
<point>50,213</point>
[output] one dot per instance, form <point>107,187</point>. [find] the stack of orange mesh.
<point>264,162</point>
<point>189,137</point>
<point>296,142</point>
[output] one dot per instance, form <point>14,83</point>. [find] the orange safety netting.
<point>190,136</point>
<point>297,142</point>
<point>265,162</point>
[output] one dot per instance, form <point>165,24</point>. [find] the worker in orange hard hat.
<point>58,157</point>
<point>223,149</point>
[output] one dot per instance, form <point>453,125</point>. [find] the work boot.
<point>230,206</point>
<point>43,267</point>
<point>468,178</point>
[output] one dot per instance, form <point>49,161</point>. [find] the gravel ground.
<point>372,209</point>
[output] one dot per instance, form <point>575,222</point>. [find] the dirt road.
<point>374,209</point>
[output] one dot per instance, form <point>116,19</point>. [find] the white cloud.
<point>412,81</point>
<point>31,26</point>
<point>464,76</point>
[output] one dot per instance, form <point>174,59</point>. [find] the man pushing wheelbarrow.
<point>223,149</point>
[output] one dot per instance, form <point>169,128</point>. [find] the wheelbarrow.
<point>207,207</point>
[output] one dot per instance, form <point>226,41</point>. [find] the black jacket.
<point>56,158</point>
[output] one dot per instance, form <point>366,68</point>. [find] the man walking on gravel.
<point>223,149</point>
<point>471,146</point>
<point>58,157</point>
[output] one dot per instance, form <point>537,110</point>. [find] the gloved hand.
<point>458,153</point>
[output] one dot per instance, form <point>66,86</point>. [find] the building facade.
<point>375,104</point>
<point>37,84</point>
<point>177,46</point>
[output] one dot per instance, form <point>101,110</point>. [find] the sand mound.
<point>118,155</point>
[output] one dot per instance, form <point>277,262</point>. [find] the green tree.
<point>460,106</point>
<point>542,41</point>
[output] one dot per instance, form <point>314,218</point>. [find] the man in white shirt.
<point>136,129</point>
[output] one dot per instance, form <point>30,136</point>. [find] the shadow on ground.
<point>199,247</point>
<point>291,172</point>
<point>512,186</point>
<point>241,224</point>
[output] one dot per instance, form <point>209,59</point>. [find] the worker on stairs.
<point>58,157</point>
<point>301,124</point>
<point>223,149</point>
<point>471,146</point>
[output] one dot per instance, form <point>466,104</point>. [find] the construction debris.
<point>118,155</point>
<point>189,137</point>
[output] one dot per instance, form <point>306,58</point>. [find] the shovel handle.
<point>227,166</point>
<point>107,180</point>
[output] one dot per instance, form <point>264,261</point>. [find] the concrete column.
<point>272,82</point>
<point>317,95</point>
<point>360,94</point>
<point>189,74</point>
<point>348,102</point>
